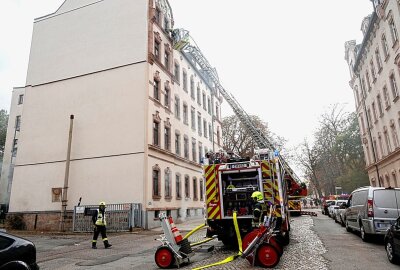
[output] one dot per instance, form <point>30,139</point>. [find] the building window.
<point>362,124</point>
<point>166,24</point>
<point>18,122</point>
<point>156,88</point>
<point>185,114</point>
<point>184,81</point>
<point>201,190</point>
<point>204,102</point>
<point>205,128</point>
<point>187,187</point>
<point>378,59</point>
<point>218,135</point>
<point>385,47</point>
<point>373,74</point>
<point>394,136</point>
<point>167,183</point>
<point>386,97</point>
<point>194,155</point>
<point>387,141</point>
<point>192,87</point>
<point>393,85</point>
<point>357,94</point>
<point>177,107</point>
<point>381,145</point>
<point>158,16</point>
<point>209,105</point>
<point>193,117</point>
<point>156,133</point>
<point>176,72</point>
<point>157,50</point>
<point>376,148</point>
<point>199,124</point>
<point>186,146</point>
<point>369,117</point>
<point>379,100</point>
<point>198,96</point>
<point>20,99</point>
<point>177,144</point>
<point>167,97</point>
<point>200,152</point>
<point>209,132</point>
<point>167,138</point>
<point>374,111</point>
<point>178,186</point>
<point>393,31</point>
<point>368,81</point>
<point>195,189</point>
<point>217,111</point>
<point>156,182</point>
<point>363,92</point>
<point>14,148</point>
<point>166,60</point>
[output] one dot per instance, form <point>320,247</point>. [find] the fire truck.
<point>230,181</point>
<point>229,185</point>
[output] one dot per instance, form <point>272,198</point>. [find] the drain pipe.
<point>65,188</point>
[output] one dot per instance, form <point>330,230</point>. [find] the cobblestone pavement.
<point>136,251</point>
<point>304,251</point>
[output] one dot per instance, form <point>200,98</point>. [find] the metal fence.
<point>120,217</point>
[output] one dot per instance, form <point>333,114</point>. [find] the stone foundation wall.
<point>43,221</point>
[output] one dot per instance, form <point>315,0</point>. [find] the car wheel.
<point>348,227</point>
<point>390,253</point>
<point>363,234</point>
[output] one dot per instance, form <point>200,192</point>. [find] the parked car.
<point>392,242</point>
<point>325,206</point>
<point>17,253</point>
<point>339,216</point>
<point>334,206</point>
<point>371,210</point>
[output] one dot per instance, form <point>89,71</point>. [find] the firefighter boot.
<point>106,244</point>
<point>94,245</point>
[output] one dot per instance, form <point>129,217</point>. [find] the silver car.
<point>372,210</point>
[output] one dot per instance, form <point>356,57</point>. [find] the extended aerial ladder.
<point>183,43</point>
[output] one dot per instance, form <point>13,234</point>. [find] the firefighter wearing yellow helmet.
<point>258,208</point>
<point>99,222</point>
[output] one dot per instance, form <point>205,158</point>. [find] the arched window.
<point>187,186</point>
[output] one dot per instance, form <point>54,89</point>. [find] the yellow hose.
<point>230,258</point>
<point>193,231</point>
<point>201,242</point>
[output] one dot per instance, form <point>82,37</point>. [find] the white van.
<point>371,210</point>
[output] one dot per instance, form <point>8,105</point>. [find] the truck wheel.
<point>275,243</point>
<point>283,238</point>
<point>267,256</point>
<point>164,257</point>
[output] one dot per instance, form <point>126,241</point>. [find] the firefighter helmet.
<point>257,196</point>
<point>102,204</point>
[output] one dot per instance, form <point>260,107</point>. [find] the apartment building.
<point>144,115</point>
<point>375,76</point>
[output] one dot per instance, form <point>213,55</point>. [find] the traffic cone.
<point>177,235</point>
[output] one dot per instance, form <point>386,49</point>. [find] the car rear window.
<point>385,198</point>
<point>5,242</point>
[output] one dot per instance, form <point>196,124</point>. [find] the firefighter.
<point>99,223</point>
<point>258,208</point>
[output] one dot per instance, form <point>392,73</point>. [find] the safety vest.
<point>101,220</point>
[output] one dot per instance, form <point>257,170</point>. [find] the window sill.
<point>395,99</point>
<point>178,198</point>
<point>168,199</point>
<point>156,197</point>
<point>387,108</point>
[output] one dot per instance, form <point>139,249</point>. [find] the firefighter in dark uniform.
<point>99,222</point>
<point>258,209</point>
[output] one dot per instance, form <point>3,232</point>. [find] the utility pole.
<point>65,188</point>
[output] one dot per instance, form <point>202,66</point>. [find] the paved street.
<point>316,243</point>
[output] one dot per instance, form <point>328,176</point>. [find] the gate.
<point>120,217</point>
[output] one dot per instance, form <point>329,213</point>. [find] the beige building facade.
<point>375,79</point>
<point>144,115</point>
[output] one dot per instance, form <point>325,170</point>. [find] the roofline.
<point>365,39</point>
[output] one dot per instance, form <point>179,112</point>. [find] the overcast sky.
<point>282,60</point>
